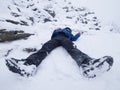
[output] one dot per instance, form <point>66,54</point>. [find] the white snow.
<point>107,10</point>
<point>58,71</point>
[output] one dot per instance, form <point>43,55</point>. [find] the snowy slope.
<point>107,10</point>
<point>59,71</point>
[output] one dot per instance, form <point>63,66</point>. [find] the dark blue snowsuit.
<point>68,33</point>
<point>60,37</point>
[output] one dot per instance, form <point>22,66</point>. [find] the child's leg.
<point>75,53</point>
<point>37,57</point>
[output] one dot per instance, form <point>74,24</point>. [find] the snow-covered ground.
<point>59,71</point>
<point>107,10</point>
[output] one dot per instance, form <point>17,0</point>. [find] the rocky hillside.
<point>24,13</point>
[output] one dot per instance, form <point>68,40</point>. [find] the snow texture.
<point>98,19</point>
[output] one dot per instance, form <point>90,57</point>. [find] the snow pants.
<point>59,40</point>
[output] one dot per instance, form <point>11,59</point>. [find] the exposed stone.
<point>28,50</point>
<point>12,35</point>
<point>47,20</point>
<point>52,13</point>
<point>16,22</point>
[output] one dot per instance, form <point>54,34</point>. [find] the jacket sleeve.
<point>74,38</point>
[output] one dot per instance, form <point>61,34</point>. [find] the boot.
<point>19,67</point>
<point>97,66</point>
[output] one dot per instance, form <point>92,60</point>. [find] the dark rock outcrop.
<point>12,35</point>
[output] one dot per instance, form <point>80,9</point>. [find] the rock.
<point>28,50</point>
<point>52,13</point>
<point>15,14</point>
<point>12,35</point>
<point>16,22</point>
<point>12,21</point>
<point>47,20</point>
